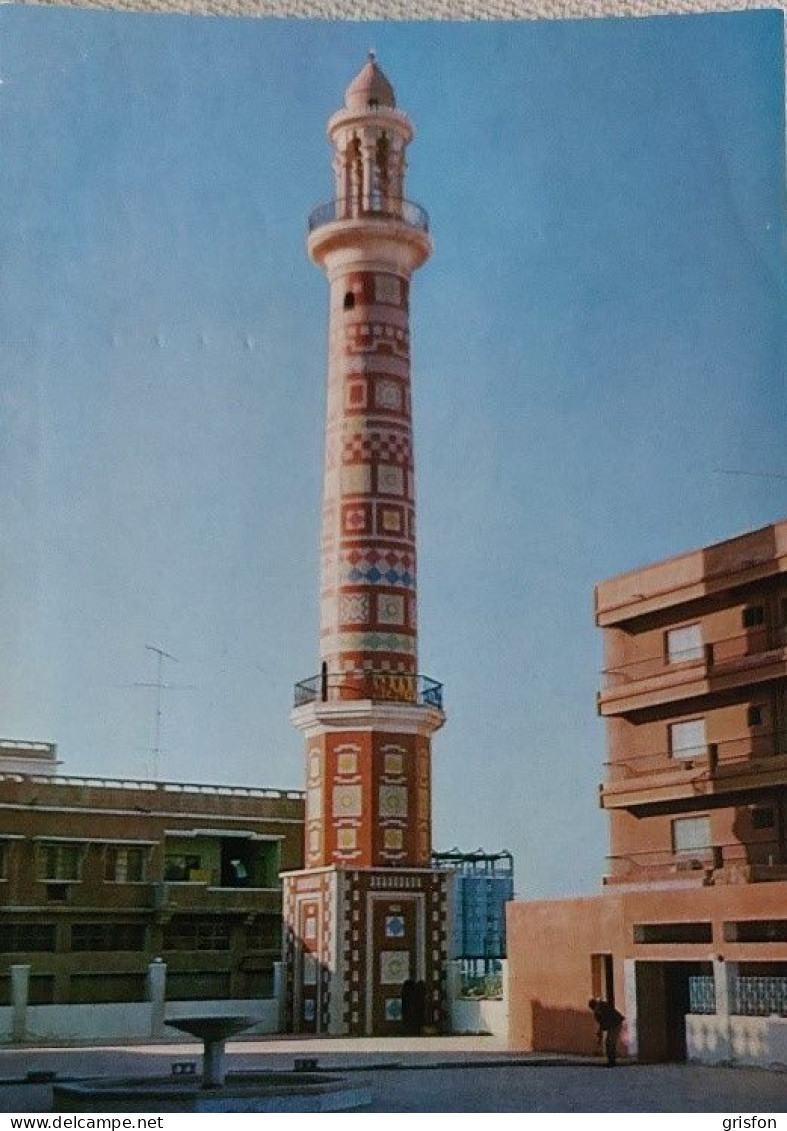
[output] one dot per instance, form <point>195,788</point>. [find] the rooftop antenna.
<point>160,686</point>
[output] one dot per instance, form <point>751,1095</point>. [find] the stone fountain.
<point>216,1089</point>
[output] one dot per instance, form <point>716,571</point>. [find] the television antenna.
<point>159,686</point>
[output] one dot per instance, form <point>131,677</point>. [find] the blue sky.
<point>600,329</point>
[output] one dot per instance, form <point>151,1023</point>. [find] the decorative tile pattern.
<point>394,967</point>
<point>390,609</point>
<point>347,801</point>
<point>390,520</point>
<point>390,479</point>
<point>393,764</point>
<point>356,518</point>
<point>393,839</point>
<point>347,762</point>
<point>394,926</point>
<point>388,289</point>
<point>356,479</point>
<point>393,801</point>
<point>393,1009</point>
<point>313,802</point>
<point>354,608</point>
<point>347,839</point>
<point>388,394</point>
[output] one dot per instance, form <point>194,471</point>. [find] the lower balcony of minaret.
<point>344,700</point>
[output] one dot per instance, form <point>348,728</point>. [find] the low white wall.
<point>479,1015</point>
<point>721,1039</point>
<point>99,1022</point>
<point>129,1020</point>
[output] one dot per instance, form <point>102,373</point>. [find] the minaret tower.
<point>369,913</point>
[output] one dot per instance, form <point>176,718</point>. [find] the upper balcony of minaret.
<point>369,216</point>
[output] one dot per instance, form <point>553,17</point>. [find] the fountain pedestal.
<point>213,1032</point>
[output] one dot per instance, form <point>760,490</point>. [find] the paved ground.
<point>433,1075</point>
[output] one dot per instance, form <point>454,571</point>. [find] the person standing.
<point>610,1023</point>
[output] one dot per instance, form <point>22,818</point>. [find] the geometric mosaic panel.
<point>394,967</point>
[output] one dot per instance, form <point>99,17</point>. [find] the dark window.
<point>180,868</point>
<point>753,615</point>
<point>349,300</point>
<point>673,933</point>
<point>264,933</point>
<point>18,937</point>
<point>763,817</point>
<point>108,936</point>
<point>198,984</point>
<point>58,861</point>
<point>107,987</point>
<point>754,716</point>
<point>197,934</point>
<point>756,930</point>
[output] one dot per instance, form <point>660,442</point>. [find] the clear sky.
<point>600,329</point>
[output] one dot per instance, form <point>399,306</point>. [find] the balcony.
<point>721,864</point>
<point>737,765</point>
<point>380,687</point>
<point>202,897</point>
<point>401,211</point>
<point>748,658</point>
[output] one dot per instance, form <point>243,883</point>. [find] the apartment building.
<point>692,925</point>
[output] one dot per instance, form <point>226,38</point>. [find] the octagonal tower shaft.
<point>368,914</point>
<point>369,247</point>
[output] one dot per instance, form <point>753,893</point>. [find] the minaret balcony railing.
<point>405,211</point>
<point>390,687</point>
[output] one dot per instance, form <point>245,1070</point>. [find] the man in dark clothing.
<point>609,1022</point>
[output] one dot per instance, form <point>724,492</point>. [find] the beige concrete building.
<point>100,877</point>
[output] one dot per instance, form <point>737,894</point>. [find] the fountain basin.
<point>241,1092</point>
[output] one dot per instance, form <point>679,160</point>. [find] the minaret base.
<point>353,937</point>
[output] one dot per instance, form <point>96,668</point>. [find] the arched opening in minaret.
<point>349,300</point>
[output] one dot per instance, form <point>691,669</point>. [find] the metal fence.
<point>702,994</point>
<point>759,997</point>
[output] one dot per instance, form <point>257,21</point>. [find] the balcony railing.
<point>391,687</point>
<point>698,864</point>
<point>406,211</point>
<point>733,753</point>
<point>717,654</point>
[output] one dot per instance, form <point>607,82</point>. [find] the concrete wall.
<point>550,944</point>
<point>757,1041</point>
<point>480,1015</point>
<point>123,1020</point>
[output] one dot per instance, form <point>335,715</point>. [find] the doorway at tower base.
<point>359,941</point>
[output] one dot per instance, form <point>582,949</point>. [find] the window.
<point>753,615</point>
<point>687,739</point>
<point>59,861</point>
<point>763,817</point>
<point>197,934</point>
<point>124,865</point>
<point>20,937</point>
<point>684,644</point>
<point>756,930</point>
<point>754,715</point>
<point>108,936</point>
<point>691,834</point>
<point>180,867</point>
<point>349,300</point>
<point>673,932</point>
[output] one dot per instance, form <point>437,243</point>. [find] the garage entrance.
<point>663,1000</point>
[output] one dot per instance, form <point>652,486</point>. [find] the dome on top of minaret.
<point>369,89</point>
